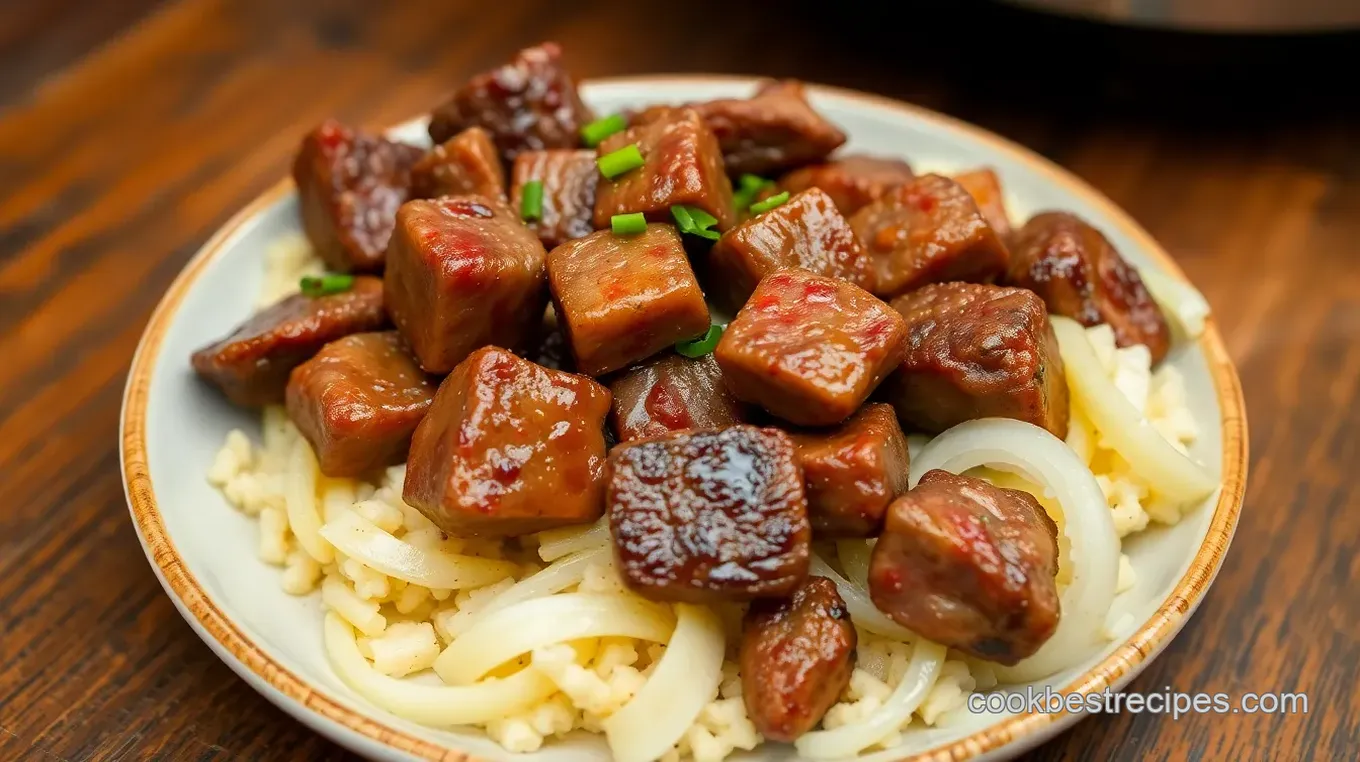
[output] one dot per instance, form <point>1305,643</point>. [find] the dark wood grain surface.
<point>131,129</point>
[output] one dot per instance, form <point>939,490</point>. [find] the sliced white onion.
<point>555,543</point>
<point>506,634</point>
<point>304,515</point>
<point>1185,306</point>
<point>862,610</point>
<point>438,705</point>
<point>562,574</point>
<point>684,681</point>
<point>1169,473</point>
<point>854,556</point>
<point>1046,461</point>
<point>365,542</point>
<point>923,670</point>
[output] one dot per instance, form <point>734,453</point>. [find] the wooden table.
<point>131,129</point>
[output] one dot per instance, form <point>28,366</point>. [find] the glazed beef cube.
<point>853,472</point>
<point>528,104</point>
<point>624,298</point>
<point>251,365</point>
<point>709,515</point>
<point>463,272</point>
<point>774,131</point>
<point>853,181</point>
<point>985,188</point>
<point>806,231</point>
<point>349,187</point>
<point>509,448</point>
<point>976,351</point>
<point>670,393</point>
<point>466,163</point>
<point>969,566</point>
<point>569,179</point>
<point>1078,274</point>
<point>683,165</point>
<point>928,231</point>
<point>358,402</point>
<point>810,349</point>
<point>796,658</point>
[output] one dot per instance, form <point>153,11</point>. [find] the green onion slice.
<point>325,285</point>
<point>702,345</point>
<point>695,221</point>
<point>531,201</point>
<point>601,128</point>
<point>628,224</point>
<point>615,163</point>
<point>761,207</point>
<point>749,186</point>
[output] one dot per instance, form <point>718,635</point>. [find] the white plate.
<point>203,551</point>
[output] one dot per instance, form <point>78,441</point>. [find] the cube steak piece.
<point>671,392</point>
<point>852,181</point>
<point>466,163</point>
<point>773,131</point>
<point>853,472</point>
<point>509,448</point>
<point>985,188</point>
<point>569,179</point>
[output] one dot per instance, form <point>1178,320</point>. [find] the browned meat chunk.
<point>774,131</point>
<point>463,272</point>
<point>466,163</point>
<point>682,165</point>
<point>810,349</point>
<point>624,298</point>
<point>251,365</point>
<point>709,515</point>
<point>985,188</point>
<point>509,448</point>
<point>796,658</point>
<point>569,179</point>
<point>358,402</point>
<point>349,187</point>
<point>670,393</point>
<point>928,231</point>
<point>528,104</point>
<point>1077,273</point>
<point>853,472</point>
<point>969,566</point>
<point>806,231</point>
<point>853,181</point>
<point>976,351</point>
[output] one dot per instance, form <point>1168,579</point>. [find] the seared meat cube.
<point>252,364</point>
<point>683,165</point>
<point>806,231</point>
<point>349,187</point>
<point>466,163</point>
<point>976,351</point>
<point>985,188</point>
<point>528,104</point>
<point>969,566</point>
<point>709,515</point>
<point>853,181</point>
<point>549,345</point>
<point>853,472</point>
<point>810,349</point>
<point>463,272</point>
<point>569,179</point>
<point>509,448</point>
<point>928,231</point>
<point>1078,274</point>
<point>358,402</point>
<point>624,298</point>
<point>796,658</point>
<point>774,131</point>
<point>670,393</point>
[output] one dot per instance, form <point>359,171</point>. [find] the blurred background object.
<point>1265,16</point>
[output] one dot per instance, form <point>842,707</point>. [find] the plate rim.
<point>294,693</point>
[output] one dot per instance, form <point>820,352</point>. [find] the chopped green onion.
<point>324,285</point>
<point>531,201</point>
<point>695,221</point>
<point>750,187</point>
<point>628,224</point>
<point>751,182</point>
<point>602,128</point>
<point>702,345</point>
<point>761,207</point>
<point>615,163</point>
